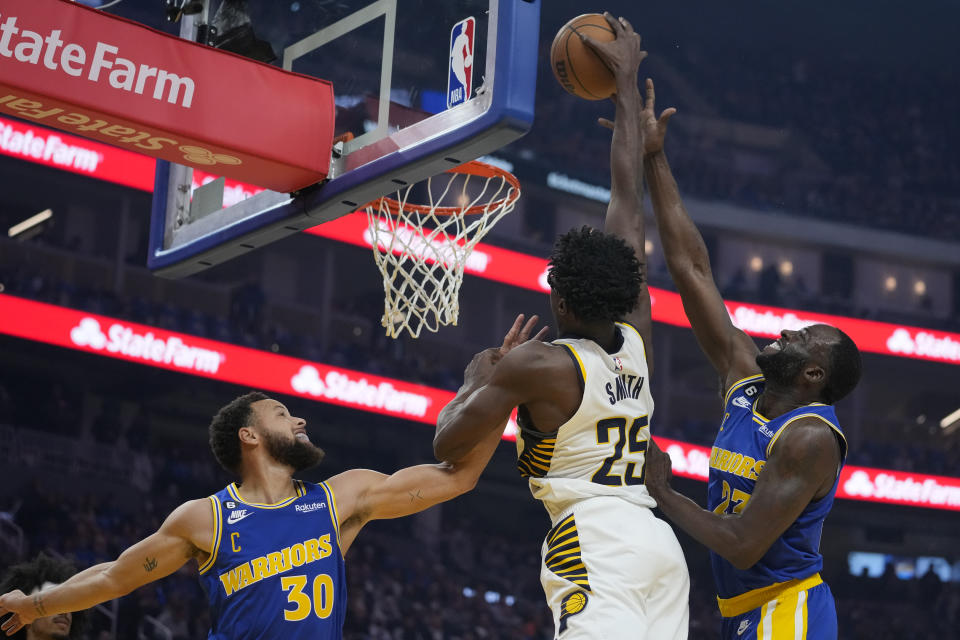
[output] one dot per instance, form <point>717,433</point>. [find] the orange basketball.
<point>576,67</point>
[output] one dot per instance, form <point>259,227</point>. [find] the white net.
<point>422,249</point>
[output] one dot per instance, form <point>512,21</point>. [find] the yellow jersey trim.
<point>334,516</point>
<point>757,414</point>
<point>643,345</point>
<point>217,533</point>
<point>776,436</point>
<point>741,604</point>
<point>739,383</point>
<point>576,356</point>
<point>234,492</point>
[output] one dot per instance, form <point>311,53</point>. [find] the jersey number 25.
<point>629,439</point>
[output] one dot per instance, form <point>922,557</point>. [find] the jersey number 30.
<point>322,597</point>
<point>631,440</point>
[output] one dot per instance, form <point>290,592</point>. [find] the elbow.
<point>446,451</point>
<point>744,555</point>
<point>467,482</point>
<point>463,479</point>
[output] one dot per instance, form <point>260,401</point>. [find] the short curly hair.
<point>31,575</point>
<point>845,369</point>
<point>597,274</point>
<point>225,428</point>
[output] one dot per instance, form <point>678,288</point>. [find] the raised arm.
<point>494,383</point>
<point>364,495</point>
<point>153,558</point>
<point>729,349</point>
<point>625,212</point>
<point>801,468</point>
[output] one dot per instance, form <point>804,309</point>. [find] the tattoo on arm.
<point>150,564</point>
<point>38,605</point>
<point>415,496</point>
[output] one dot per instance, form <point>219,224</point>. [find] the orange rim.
<point>472,168</point>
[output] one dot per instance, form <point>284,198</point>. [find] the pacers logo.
<point>199,155</point>
<point>571,606</point>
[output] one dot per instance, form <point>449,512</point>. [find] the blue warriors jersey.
<point>739,453</point>
<point>275,570</point>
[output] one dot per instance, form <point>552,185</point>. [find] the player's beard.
<point>294,453</point>
<point>780,368</point>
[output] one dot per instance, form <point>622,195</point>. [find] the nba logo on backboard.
<point>460,79</point>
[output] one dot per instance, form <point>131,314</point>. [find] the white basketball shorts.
<point>612,570</point>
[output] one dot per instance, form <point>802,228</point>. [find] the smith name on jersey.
<point>275,570</point>
<point>739,454</point>
<point>600,449</point>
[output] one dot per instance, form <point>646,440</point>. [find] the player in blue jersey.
<point>269,548</point>
<point>776,461</point>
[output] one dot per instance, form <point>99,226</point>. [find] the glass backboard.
<point>412,100</point>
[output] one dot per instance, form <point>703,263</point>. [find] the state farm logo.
<point>902,341</point>
<point>859,485</point>
<point>766,322</point>
<point>358,391</point>
<point>544,280</point>
<point>692,463</point>
<point>48,148</point>
<point>908,489</point>
<point>123,340</point>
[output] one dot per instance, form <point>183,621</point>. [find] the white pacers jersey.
<point>600,450</point>
<point>610,569</point>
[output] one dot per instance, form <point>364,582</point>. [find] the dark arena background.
<point>816,148</point>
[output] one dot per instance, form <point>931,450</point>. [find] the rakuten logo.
<point>49,148</point>
<point>766,322</point>
<point>125,341</point>
<point>339,386</point>
<point>886,486</point>
<point>406,240</point>
<point>925,344</point>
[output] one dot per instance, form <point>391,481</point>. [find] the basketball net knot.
<point>421,250</point>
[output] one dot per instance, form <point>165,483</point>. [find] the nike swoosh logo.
<point>235,519</point>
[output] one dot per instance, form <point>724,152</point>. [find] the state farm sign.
<point>191,355</point>
<point>169,350</point>
<point>358,390</point>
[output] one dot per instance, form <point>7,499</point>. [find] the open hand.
<point>622,55</point>
<point>481,367</point>
<point>654,129</point>
<point>657,469</point>
<point>19,605</point>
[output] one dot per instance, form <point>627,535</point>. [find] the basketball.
<point>576,67</point>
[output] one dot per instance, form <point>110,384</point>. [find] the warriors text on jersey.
<point>610,569</point>
<point>275,570</point>
<point>739,454</point>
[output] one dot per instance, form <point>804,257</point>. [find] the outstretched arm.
<point>729,349</point>
<point>802,467</point>
<point>154,557</point>
<point>494,383</point>
<point>363,495</point>
<point>625,212</point>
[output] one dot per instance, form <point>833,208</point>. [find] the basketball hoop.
<point>422,249</point>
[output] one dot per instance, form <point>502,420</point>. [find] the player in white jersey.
<point>610,569</point>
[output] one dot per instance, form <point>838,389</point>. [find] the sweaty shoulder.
<point>808,446</point>
<point>550,379</point>
<point>532,358</point>
<point>194,521</point>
